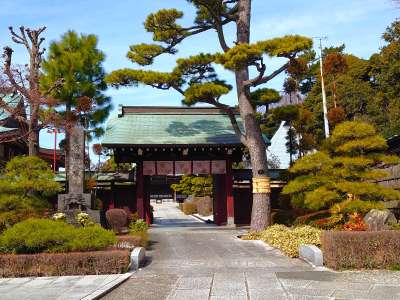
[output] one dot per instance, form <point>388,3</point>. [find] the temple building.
<point>168,142</point>
<point>13,135</point>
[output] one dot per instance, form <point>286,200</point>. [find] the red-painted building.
<point>168,142</point>
<point>13,135</point>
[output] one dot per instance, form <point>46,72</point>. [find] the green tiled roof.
<point>112,176</point>
<point>170,126</point>
<point>12,100</point>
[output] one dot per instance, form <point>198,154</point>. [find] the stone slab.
<point>60,288</point>
<point>190,295</point>
<point>192,283</point>
<point>311,254</point>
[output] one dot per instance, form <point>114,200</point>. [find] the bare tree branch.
<point>28,86</point>
<point>7,55</point>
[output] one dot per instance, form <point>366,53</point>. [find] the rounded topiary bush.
<point>44,235</point>
<point>117,218</point>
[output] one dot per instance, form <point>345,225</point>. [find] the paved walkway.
<point>60,288</point>
<point>191,260</point>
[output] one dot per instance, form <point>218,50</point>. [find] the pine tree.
<point>26,183</point>
<point>342,177</point>
<point>77,59</point>
<point>195,77</point>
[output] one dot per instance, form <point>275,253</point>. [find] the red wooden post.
<point>140,205</point>
<point>219,194</point>
<point>111,204</point>
<point>230,207</point>
<point>146,199</point>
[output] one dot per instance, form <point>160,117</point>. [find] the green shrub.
<point>138,232</point>
<point>395,267</point>
<point>16,208</point>
<point>189,208</point>
<point>91,238</point>
<point>25,185</point>
<point>138,226</point>
<point>200,186</point>
<point>395,226</point>
<point>135,216</point>
<point>84,219</point>
<point>288,240</point>
<point>43,235</point>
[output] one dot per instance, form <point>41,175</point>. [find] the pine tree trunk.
<point>260,217</point>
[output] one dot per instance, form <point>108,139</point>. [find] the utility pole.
<point>324,104</point>
<point>54,131</point>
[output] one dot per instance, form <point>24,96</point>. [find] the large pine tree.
<point>78,61</point>
<point>343,176</point>
<point>196,79</point>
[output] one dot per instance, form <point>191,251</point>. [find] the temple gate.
<point>176,141</point>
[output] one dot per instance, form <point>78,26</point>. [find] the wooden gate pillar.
<point>146,198</point>
<point>229,193</point>
<point>140,201</point>
<point>219,196</point>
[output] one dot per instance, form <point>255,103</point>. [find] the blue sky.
<point>118,24</point>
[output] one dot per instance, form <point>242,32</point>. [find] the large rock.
<point>379,219</point>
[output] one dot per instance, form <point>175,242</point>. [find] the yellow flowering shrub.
<point>287,239</point>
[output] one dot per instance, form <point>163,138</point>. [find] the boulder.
<point>379,219</point>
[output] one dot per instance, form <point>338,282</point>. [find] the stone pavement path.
<point>60,288</point>
<point>191,260</point>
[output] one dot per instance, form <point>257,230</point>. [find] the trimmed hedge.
<point>369,249</point>
<point>62,264</point>
<point>189,208</point>
<point>43,235</point>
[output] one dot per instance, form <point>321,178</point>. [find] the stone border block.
<point>311,254</point>
<point>105,289</point>
<point>137,256</point>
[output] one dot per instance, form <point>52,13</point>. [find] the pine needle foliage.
<point>342,177</point>
<point>196,79</point>
<point>24,187</point>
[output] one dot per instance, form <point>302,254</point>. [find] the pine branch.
<point>260,79</point>
<point>229,111</point>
